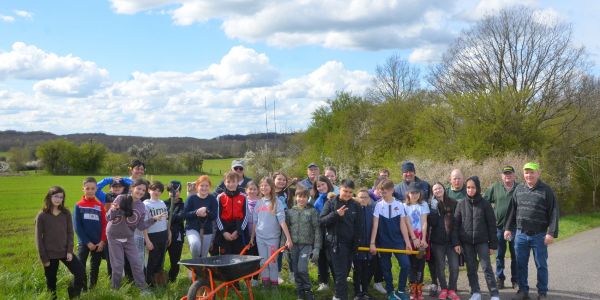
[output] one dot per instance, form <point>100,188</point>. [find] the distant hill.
<point>226,145</point>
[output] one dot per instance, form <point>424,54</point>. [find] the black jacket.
<point>341,229</point>
<point>442,228</point>
<point>475,220</point>
<point>178,218</point>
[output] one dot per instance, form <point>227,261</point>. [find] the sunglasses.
<point>238,168</point>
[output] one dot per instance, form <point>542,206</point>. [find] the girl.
<point>157,235</point>
<point>200,212</point>
<point>417,211</point>
<point>54,237</point>
<point>269,220</point>
<point>443,240</point>
<point>127,213</point>
<point>476,225</point>
<point>284,196</point>
<point>177,231</point>
<point>320,190</point>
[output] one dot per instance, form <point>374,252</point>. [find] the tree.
<point>193,160</point>
<point>57,156</point>
<point>90,157</point>
<point>394,80</point>
<point>515,50</point>
<point>145,152</point>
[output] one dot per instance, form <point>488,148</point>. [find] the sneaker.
<point>542,296</point>
<point>495,298</point>
<point>433,290</point>
<point>443,294</point>
<point>280,280</point>
<point>379,287</point>
<point>500,283</point>
<point>308,295</point>
<point>358,297</point>
<point>521,295</point>
<point>349,279</point>
<point>401,295</point>
<point>322,287</point>
<point>392,296</point>
<point>475,296</point>
<point>452,295</point>
<point>366,296</point>
<point>515,285</point>
<point>335,298</point>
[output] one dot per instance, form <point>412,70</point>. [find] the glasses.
<point>238,168</point>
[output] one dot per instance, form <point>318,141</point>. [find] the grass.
<point>21,276</point>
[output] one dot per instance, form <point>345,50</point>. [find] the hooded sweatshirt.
<point>475,220</point>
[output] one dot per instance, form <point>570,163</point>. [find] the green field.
<point>21,276</point>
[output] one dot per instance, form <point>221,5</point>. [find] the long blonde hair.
<point>271,195</point>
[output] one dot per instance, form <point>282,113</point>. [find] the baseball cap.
<point>311,165</point>
<point>408,166</point>
<point>531,166</point>
<point>508,169</point>
<point>237,163</point>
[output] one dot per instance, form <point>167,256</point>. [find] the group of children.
<point>314,223</point>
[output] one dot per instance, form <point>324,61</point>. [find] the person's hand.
<point>235,235</point>
<point>423,244</point>
<point>115,206</point>
<point>46,264</point>
<point>491,252</point>
<point>548,240</point>
<point>227,236</point>
<point>69,257</point>
<point>201,212</point>
<point>457,249</point>
<point>160,217</point>
<point>507,235</point>
<point>169,237</point>
<point>409,247</point>
<point>91,246</point>
<point>372,249</point>
<point>100,246</point>
<point>149,246</point>
<point>342,210</point>
<point>289,244</point>
<point>314,256</point>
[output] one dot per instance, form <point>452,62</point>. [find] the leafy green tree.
<point>90,158</point>
<point>57,156</point>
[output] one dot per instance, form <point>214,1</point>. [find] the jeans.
<point>524,243</point>
<point>342,260</point>
<point>300,254</point>
<point>385,260</point>
<point>472,253</point>
<point>500,257</point>
<point>96,258</point>
<point>440,253</point>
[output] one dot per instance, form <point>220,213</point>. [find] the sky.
<point>204,68</point>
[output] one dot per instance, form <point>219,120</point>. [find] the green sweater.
<point>457,195</point>
<point>500,198</point>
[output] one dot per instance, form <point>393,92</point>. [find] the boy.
<point>340,217</point>
<point>363,261</point>
<point>89,220</point>
<point>231,216</point>
<point>390,231</point>
<point>303,223</point>
<point>155,236</point>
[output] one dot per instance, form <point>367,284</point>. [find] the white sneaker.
<point>379,287</point>
<point>349,279</point>
<point>495,298</point>
<point>335,298</point>
<point>475,296</point>
<point>280,280</point>
<point>322,287</point>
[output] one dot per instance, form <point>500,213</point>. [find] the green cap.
<point>531,166</point>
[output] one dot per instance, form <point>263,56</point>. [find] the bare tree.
<point>516,50</point>
<point>396,79</point>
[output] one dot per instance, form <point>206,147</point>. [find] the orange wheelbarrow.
<point>228,269</point>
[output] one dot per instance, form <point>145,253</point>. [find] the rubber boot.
<point>420,292</point>
<point>413,291</point>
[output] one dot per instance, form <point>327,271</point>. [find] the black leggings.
<point>75,267</point>
<point>417,265</point>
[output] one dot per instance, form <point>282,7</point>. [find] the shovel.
<point>161,278</point>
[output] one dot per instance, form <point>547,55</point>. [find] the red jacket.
<point>231,214</point>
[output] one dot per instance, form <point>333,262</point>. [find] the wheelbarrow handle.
<point>245,249</point>
<point>386,250</point>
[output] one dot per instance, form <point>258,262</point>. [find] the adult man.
<point>499,195</point>
<point>457,189</point>
<point>408,176</point>
<point>238,167</point>
<point>533,211</point>
<point>312,172</point>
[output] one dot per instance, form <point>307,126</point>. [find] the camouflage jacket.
<point>303,224</point>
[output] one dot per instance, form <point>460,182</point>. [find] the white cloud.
<point>205,103</point>
<point>7,19</point>
<point>24,14</point>
<point>427,54</point>
<point>60,75</point>
<point>490,7</point>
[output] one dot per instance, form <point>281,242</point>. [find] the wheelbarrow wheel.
<point>198,290</point>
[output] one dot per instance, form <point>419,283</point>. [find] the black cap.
<point>508,169</point>
<point>118,183</point>
<point>311,165</point>
<point>408,166</point>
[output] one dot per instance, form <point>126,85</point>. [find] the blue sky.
<point>203,68</point>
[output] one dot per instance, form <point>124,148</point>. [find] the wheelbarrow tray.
<point>224,267</point>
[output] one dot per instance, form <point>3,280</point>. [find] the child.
<point>320,189</point>
<point>390,230</point>
<point>340,217</point>
<point>54,237</point>
<point>417,211</point>
<point>363,261</point>
<point>177,231</point>
<point>303,223</point>
<point>476,225</point>
<point>155,236</point>
<point>90,225</point>
<point>231,216</point>
<point>127,214</point>
<point>118,186</point>
<point>444,240</point>
<point>200,210</point>
<point>269,220</point>
<point>283,193</point>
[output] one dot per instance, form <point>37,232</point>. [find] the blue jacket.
<point>101,195</point>
<point>89,220</point>
<point>367,226</point>
<point>318,204</point>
